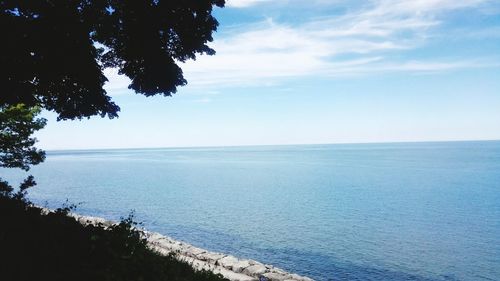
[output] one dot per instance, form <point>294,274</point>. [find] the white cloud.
<point>399,7</point>
<point>362,41</point>
<point>359,42</point>
<point>203,100</point>
<point>116,82</point>
<point>243,3</point>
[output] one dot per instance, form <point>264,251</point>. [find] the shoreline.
<point>229,266</point>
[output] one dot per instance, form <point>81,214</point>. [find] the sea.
<point>389,211</point>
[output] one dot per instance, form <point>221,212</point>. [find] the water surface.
<point>404,211</point>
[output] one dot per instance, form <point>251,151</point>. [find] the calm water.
<point>415,211</point>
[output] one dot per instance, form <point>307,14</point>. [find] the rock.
<point>228,266</point>
<point>240,266</point>
<point>278,270</point>
<point>228,262</point>
<point>189,260</point>
<point>297,277</point>
<point>155,237</point>
<point>210,257</point>
<point>252,262</point>
<point>171,247</point>
<point>273,276</point>
<point>201,265</point>
<point>193,251</point>
<point>160,250</point>
<point>255,270</point>
<point>233,276</point>
<point>86,220</point>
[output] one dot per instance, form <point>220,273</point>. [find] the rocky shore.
<point>229,266</point>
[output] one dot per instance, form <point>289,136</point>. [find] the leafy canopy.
<point>53,52</point>
<point>17,125</point>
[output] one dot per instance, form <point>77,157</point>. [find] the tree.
<point>53,52</point>
<point>52,56</point>
<point>17,125</point>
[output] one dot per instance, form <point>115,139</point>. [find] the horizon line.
<point>260,145</point>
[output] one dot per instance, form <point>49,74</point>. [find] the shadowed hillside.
<point>34,246</point>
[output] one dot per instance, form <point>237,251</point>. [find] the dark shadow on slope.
<point>34,246</point>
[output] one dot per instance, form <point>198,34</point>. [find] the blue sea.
<point>395,211</point>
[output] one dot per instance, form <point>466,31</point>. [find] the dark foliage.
<point>17,125</point>
<point>56,247</point>
<point>52,56</point>
<point>53,52</point>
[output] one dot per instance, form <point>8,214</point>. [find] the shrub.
<point>55,246</point>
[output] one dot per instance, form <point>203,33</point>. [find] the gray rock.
<point>228,262</point>
<point>229,266</point>
<point>274,276</point>
<point>252,262</point>
<point>193,251</point>
<point>154,236</point>
<point>210,257</point>
<point>297,277</point>
<point>240,266</point>
<point>278,270</point>
<point>255,270</point>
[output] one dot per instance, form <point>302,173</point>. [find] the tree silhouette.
<point>52,56</point>
<point>17,125</point>
<point>53,52</point>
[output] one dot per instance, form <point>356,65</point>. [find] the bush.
<point>55,246</point>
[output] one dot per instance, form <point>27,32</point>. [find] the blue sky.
<point>319,71</point>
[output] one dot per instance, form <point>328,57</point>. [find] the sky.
<point>318,71</point>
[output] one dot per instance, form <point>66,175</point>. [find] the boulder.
<point>240,266</point>
<point>274,276</point>
<point>210,257</point>
<point>228,262</point>
<point>193,251</point>
<point>255,270</point>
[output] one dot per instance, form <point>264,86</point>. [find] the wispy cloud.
<point>358,42</point>
<point>363,41</point>
<point>243,3</point>
<point>117,83</point>
<point>203,100</point>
